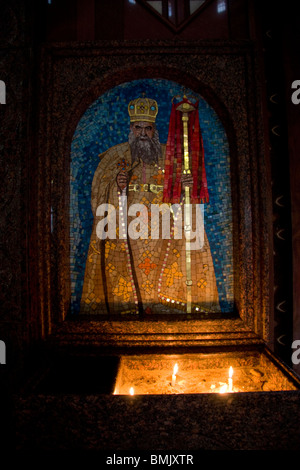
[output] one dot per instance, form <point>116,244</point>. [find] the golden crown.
<point>142,109</point>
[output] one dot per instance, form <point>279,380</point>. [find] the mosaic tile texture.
<point>105,124</point>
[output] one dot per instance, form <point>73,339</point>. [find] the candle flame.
<point>131,391</point>
<point>230,372</point>
<point>175,370</point>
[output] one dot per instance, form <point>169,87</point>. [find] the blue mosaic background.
<point>106,123</point>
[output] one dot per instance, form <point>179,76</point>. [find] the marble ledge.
<point>239,421</point>
<point>148,333</point>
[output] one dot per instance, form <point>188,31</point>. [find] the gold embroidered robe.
<point>131,276</point>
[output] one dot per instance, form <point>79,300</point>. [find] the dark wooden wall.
<point>89,20</point>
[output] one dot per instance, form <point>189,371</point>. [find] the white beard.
<point>148,150</point>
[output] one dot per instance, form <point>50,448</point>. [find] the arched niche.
<point>104,124</point>
<point>224,77</point>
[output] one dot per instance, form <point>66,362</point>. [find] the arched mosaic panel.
<point>105,124</point>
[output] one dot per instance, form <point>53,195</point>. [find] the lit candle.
<point>175,370</point>
<point>230,379</point>
<point>131,391</point>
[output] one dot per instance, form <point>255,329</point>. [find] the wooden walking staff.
<point>185,108</point>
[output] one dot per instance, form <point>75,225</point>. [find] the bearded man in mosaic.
<point>142,275</point>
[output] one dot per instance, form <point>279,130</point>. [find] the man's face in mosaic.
<point>142,130</point>
<point>144,142</point>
